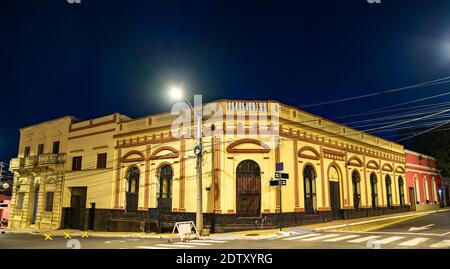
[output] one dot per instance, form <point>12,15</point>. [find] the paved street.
<point>431,231</point>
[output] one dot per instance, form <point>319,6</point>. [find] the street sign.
<point>281,175</point>
<point>274,183</point>
<point>279,166</point>
<point>278,182</point>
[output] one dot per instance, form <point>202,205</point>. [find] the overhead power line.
<point>426,131</point>
<point>414,86</point>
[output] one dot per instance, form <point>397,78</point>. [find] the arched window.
<point>388,191</point>
<point>309,178</point>
<point>356,180</point>
<point>374,189</point>
<point>433,185</point>
<point>133,179</point>
<point>165,175</point>
<point>333,174</point>
<point>401,191</point>
<point>426,191</point>
<point>416,190</point>
<point>132,192</point>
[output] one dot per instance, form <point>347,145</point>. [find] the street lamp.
<point>176,94</point>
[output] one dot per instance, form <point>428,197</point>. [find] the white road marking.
<point>395,233</point>
<point>208,241</point>
<point>342,238</point>
<point>192,244</point>
<point>173,245</point>
<point>441,244</point>
<point>148,247</point>
<point>300,236</point>
<point>414,242</point>
<point>420,228</point>
<point>390,239</point>
<point>363,239</point>
<point>321,237</point>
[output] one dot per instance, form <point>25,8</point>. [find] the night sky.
<point>100,57</point>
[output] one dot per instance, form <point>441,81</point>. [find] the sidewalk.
<point>241,235</point>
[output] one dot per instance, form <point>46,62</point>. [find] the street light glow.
<point>176,93</point>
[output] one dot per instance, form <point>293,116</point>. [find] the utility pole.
<point>177,94</point>
<point>198,114</point>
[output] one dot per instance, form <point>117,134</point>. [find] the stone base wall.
<point>120,221</point>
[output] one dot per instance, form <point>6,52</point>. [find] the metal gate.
<point>75,216</point>
<point>248,189</point>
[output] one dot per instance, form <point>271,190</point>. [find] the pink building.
<point>423,180</point>
<point>5,206</point>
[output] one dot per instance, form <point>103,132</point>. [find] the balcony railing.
<point>40,161</point>
<point>30,161</point>
<point>16,164</point>
<point>51,159</point>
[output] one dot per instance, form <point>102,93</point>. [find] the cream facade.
<point>149,180</point>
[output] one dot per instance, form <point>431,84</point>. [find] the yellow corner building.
<point>116,173</point>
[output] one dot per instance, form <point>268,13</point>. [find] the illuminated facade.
<point>121,174</point>
<point>423,180</point>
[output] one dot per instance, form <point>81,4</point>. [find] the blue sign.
<point>279,166</point>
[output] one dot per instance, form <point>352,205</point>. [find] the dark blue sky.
<point>100,57</point>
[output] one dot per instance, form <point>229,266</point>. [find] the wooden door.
<point>248,189</point>
<point>335,200</point>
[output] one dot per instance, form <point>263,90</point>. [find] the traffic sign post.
<point>279,181</point>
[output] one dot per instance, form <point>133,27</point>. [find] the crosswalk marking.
<point>342,238</point>
<point>321,237</point>
<point>414,242</point>
<point>390,239</point>
<point>173,245</point>
<point>300,236</point>
<point>363,239</point>
<point>150,247</point>
<point>441,244</point>
<point>209,241</point>
<point>192,243</point>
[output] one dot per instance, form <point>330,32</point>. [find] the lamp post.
<point>177,94</point>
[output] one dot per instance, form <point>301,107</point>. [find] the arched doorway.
<point>165,179</point>
<point>374,190</point>
<point>35,203</point>
<point>335,197</point>
<point>248,189</point>
<point>401,191</point>
<point>356,180</point>
<point>388,191</point>
<point>309,179</point>
<point>132,191</point>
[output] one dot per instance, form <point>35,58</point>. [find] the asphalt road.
<point>428,232</point>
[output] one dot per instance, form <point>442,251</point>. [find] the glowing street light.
<point>176,94</point>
